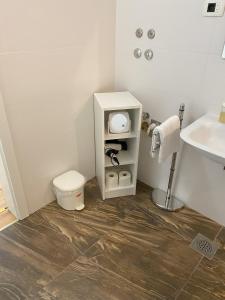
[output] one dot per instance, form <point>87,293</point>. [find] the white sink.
<point>207,134</point>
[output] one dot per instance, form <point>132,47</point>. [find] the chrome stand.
<point>159,197</point>
<point>165,200</point>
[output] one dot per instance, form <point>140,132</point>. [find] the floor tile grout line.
<point>39,290</point>
<point>100,238</point>
<point>116,274</point>
<point>59,274</point>
<point>218,233</point>
<point>72,217</point>
<point>132,283</point>
<point>138,206</point>
<point>84,252</point>
<point>109,271</point>
<point>146,210</point>
<point>189,277</point>
<point>44,234</point>
<point>103,236</point>
<point>113,228</point>
<point>108,232</point>
<point>29,250</point>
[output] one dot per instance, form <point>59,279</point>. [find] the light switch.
<point>214,8</point>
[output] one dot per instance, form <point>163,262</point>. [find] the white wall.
<point>10,177</point>
<point>54,55</point>
<point>187,67</point>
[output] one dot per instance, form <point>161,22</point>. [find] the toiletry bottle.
<point>222,114</point>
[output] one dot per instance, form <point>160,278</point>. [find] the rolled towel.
<point>166,138</point>
<point>155,143</point>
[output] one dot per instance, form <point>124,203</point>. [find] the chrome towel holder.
<point>165,200</point>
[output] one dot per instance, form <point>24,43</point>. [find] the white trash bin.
<point>69,190</point>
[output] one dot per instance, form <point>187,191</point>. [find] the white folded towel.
<point>155,142</point>
<point>168,136</point>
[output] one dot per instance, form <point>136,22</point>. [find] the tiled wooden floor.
<point>121,249</point>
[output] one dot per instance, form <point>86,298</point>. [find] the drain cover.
<point>204,246</point>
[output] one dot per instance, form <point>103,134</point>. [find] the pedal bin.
<point>69,190</point>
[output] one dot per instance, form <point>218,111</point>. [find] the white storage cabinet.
<point>104,103</point>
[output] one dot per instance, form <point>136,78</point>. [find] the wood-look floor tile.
<point>140,223</point>
<point>220,254</point>
<point>84,228</point>
<point>11,292</point>
<point>22,271</point>
<point>93,200</point>
<point>118,249</point>
<point>43,295</point>
<point>186,222</point>
<point>80,235</point>
<point>85,280</point>
<point>204,295</point>
<point>142,251</point>
<point>208,281</point>
<point>46,243</point>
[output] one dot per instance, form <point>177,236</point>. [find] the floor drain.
<point>204,246</point>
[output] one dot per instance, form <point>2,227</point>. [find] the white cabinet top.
<point>117,101</point>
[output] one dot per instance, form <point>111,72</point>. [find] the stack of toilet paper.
<point>115,179</point>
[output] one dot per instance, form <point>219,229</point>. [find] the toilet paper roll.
<point>124,178</point>
<point>112,180</point>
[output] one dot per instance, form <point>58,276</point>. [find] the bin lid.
<point>69,181</point>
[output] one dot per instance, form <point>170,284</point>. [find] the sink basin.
<point>207,135</point>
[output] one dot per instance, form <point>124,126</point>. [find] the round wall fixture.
<point>151,34</point>
<point>139,33</point>
<point>137,53</point>
<point>149,54</point>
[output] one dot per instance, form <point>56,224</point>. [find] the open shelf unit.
<point>104,103</point>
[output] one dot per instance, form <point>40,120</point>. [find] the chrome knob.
<point>151,34</point>
<point>137,53</point>
<point>149,54</point>
<point>139,33</point>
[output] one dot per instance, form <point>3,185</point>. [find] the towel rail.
<point>164,200</point>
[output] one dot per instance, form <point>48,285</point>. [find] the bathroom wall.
<point>53,56</point>
<point>10,178</point>
<point>187,67</point>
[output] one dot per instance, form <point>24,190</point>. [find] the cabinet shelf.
<point>120,191</point>
<point>113,136</point>
<point>124,157</point>
<point>119,188</point>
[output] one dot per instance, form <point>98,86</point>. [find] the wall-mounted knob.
<point>139,33</point>
<point>137,53</point>
<point>145,116</point>
<point>149,54</point>
<point>151,34</point>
